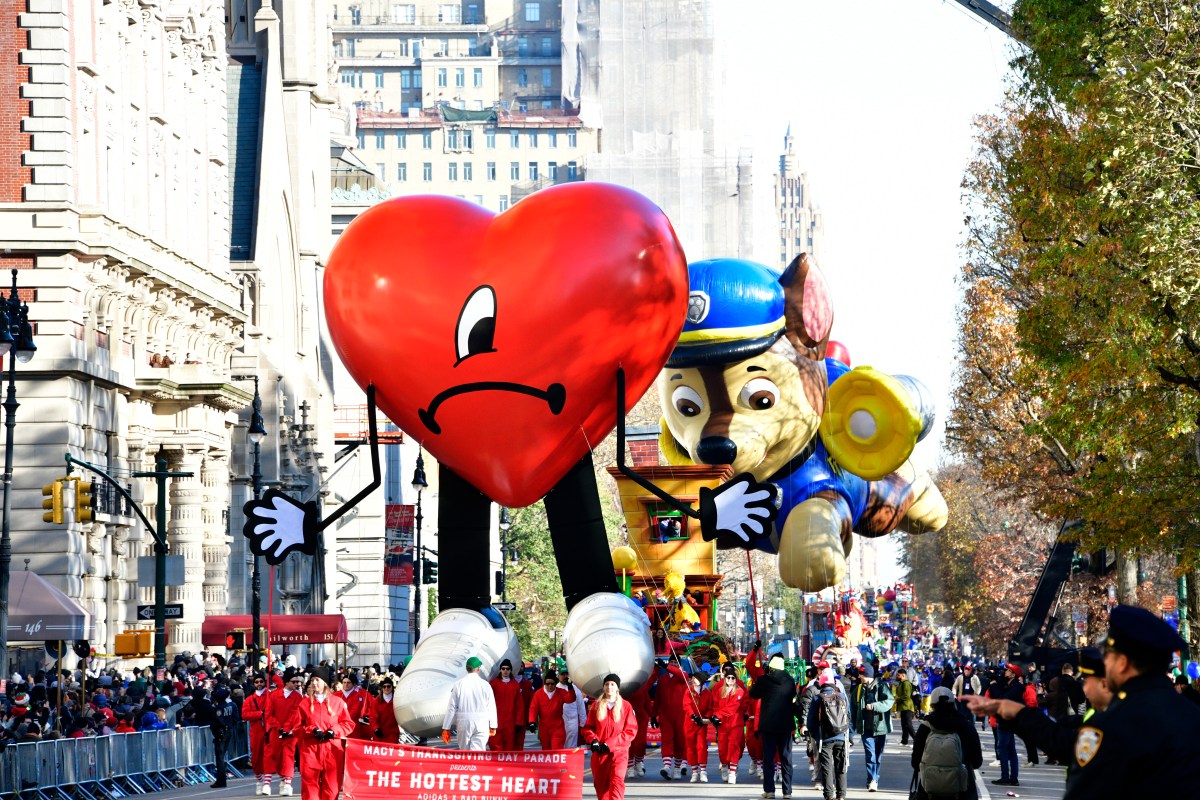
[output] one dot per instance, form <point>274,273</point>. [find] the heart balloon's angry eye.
<point>476,324</point>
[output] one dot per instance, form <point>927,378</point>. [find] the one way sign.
<point>171,611</point>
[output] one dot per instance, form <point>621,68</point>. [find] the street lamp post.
<point>419,484</point>
<point>505,525</point>
<point>16,339</point>
<point>255,435</point>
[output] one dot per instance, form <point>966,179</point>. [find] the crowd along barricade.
<point>115,766</point>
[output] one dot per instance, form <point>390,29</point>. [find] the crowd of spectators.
<point>78,702</point>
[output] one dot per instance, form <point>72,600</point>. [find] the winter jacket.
<point>777,691</point>
<point>874,705</point>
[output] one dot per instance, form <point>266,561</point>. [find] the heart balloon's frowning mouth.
<point>555,397</point>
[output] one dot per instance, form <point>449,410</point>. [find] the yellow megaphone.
<point>872,421</point>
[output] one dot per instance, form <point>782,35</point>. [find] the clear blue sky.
<point>880,95</point>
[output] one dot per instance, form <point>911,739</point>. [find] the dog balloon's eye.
<point>759,394</point>
<point>687,401</point>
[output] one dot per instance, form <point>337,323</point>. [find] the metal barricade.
<point>114,766</point>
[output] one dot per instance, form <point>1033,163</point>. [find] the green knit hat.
<point>473,663</point>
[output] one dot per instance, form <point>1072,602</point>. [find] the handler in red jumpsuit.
<point>283,723</point>
<point>546,712</point>
<point>668,708</point>
<point>529,688</point>
<point>254,712</point>
<point>387,729</point>
<point>640,700</point>
<point>510,709</point>
<point>359,704</point>
<point>696,704</point>
<point>324,724</point>
<point>730,702</point>
<point>610,728</point>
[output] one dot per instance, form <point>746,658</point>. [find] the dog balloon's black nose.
<point>716,450</point>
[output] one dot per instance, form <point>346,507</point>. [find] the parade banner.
<point>380,771</point>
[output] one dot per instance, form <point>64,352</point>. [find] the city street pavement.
<point>1037,783</point>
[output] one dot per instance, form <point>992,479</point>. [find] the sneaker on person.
<point>629,773</point>
<point>641,770</point>
<point>768,795</point>
<point>732,776</point>
<point>1002,782</point>
<point>703,775</point>
<point>285,789</point>
<point>695,777</point>
<point>872,786</point>
<point>994,762</point>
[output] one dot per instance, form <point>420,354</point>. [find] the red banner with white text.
<point>379,771</point>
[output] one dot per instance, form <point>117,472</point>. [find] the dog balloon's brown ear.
<point>808,308</point>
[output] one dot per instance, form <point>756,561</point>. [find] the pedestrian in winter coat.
<point>874,702</point>
<point>829,742</point>
<point>609,730</point>
<point>323,723</point>
<point>776,722</point>
<point>510,709</point>
<point>906,708</point>
<point>944,717</point>
<point>472,709</point>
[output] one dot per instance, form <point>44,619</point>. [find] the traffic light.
<point>1077,565</point>
<point>53,503</point>
<point>429,571</point>
<point>235,640</point>
<point>85,501</point>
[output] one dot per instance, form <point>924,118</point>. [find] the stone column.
<point>185,532</point>
<point>216,546</point>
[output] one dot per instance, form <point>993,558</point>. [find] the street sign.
<point>504,606</point>
<point>174,568</point>
<point>1168,602</point>
<point>170,611</point>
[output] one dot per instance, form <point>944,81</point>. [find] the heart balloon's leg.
<point>606,632</point>
<point>577,532</point>
<point>467,625</point>
<point>464,533</point>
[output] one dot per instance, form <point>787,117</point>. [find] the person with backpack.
<point>946,751</point>
<point>828,726</point>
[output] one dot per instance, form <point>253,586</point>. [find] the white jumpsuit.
<point>574,715</point>
<point>472,711</point>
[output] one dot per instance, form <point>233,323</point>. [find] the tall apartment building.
<point>800,225</point>
<point>460,99</point>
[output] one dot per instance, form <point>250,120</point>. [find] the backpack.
<point>834,714</point>
<point>943,773</point>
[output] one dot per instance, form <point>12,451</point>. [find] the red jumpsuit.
<point>358,705</point>
<point>283,714</point>
<point>321,762</point>
<point>254,711</point>
<point>696,736</point>
<point>528,690</point>
<point>730,709</point>
<point>668,707</point>
<point>547,711</point>
<point>384,717</point>
<point>608,769</point>
<point>510,714</point>
<point>640,700</point>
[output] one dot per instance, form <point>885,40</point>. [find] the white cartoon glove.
<point>738,512</point>
<point>277,525</point>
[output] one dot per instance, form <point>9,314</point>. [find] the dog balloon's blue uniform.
<point>803,479</point>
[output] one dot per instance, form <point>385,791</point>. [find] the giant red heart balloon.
<point>494,339</point>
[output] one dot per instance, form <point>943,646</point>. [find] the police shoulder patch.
<point>1087,744</point>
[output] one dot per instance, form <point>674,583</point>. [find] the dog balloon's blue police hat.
<point>1137,632</point>
<point>735,311</point>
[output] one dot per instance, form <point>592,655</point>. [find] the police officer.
<point>1147,743</point>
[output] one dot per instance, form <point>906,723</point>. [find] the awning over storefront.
<point>284,628</point>
<point>38,612</point>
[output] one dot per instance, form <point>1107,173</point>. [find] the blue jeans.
<point>873,749</point>
<point>1006,751</point>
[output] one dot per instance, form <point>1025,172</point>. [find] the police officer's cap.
<point>1137,632</point>
<point>735,311</point>
<point>1090,662</point>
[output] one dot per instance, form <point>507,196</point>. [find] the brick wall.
<point>643,452</point>
<point>13,109</point>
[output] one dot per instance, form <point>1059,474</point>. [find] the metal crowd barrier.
<point>115,766</point>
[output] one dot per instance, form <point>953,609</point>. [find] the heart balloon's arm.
<point>739,511</point>
<point>277,525</point>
